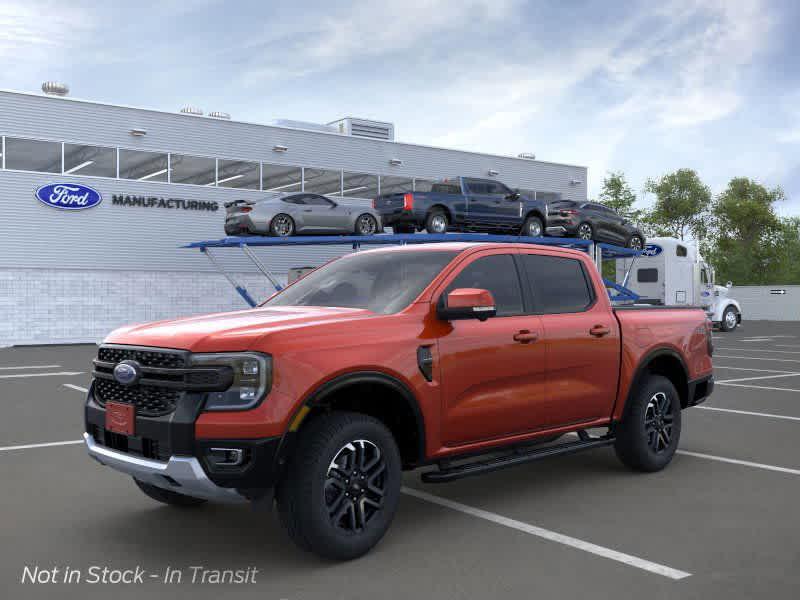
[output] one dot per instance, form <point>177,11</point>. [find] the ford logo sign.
<point>127,372</point>
<point>68,196</point>
<point>652,250</point>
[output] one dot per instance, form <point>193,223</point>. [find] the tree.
<point>681,206</point>
<point>749,242</point>
<point>618,195</point>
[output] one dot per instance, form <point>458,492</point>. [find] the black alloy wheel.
<point>366,225</point>
<point>585,231</point>
<point>355,485</point>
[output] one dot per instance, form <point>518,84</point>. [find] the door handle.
<point>526,337</point>
<point>308,210</point>
<point>599,330</point>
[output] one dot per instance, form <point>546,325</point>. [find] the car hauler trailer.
<point>599,252</point>
<point>671,271</point>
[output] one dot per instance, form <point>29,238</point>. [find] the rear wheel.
<point>649,434</point>
<point>729,319</point>
<point>168,496</point>
<point>585,231</point>
<point>342,485</point>
<point>282,225</point>
<point>533,227</point>
<point>366,224</point>
<point>437,221</point>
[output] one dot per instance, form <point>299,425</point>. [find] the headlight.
<point>252,379</point>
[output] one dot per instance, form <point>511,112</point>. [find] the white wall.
<point>759,304</point>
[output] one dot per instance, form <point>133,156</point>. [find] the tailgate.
<point>389,202</point>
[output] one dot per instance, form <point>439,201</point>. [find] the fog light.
<point>247,394</point>
<point>225,457</point>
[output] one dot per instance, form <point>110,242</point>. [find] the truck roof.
<point>461,246</point>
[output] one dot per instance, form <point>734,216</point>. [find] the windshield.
<point>382,282</point>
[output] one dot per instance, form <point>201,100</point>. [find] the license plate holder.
<point>121,418</point>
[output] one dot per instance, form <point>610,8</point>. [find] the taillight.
<point>246,209</point>
<point>408,201</point>
<point>374,203</point>
<point>567,212</point>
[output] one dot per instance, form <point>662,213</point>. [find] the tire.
<point>437,221</point>
<point>729,319</point>
<point>403,228</point>
<point>366,224</point>
<point>281,225</point>
<point>312,490</point>
<point>649,433</point>
<point>533,227</point>
<point>584,231</point>
<point>635,242</point>
<point>168,496</point>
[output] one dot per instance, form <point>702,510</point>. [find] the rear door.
<point>493,373</point>
<point>581,336</point>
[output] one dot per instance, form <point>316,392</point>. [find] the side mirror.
<point>729,285</point>
<point>515,195</point>
<point>466,303</point>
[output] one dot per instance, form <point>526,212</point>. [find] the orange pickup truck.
<point>461,358</point>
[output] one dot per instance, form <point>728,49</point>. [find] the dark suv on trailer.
<point>592,221</point>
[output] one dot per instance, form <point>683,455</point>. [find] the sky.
<point>639,87</point>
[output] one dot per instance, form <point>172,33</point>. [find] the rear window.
<point>446,188</point>
<point>558,285</point>
<point>647,275</point>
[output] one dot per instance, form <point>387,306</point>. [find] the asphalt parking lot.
<point>720,522</point>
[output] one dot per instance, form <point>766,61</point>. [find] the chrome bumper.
<point>181,474</point>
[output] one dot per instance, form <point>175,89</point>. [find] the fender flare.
<point>641,369</point>
<point>316,399</point>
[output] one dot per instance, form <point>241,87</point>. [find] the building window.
<point>144,166</point>
<point>396,185</point>
<point>280,178</point>
<point>33,155</point>
<point>360,185</point>
<point>195,170</point>
<point>238,174</point>
<point>90,160</point>
<point>323,181</point>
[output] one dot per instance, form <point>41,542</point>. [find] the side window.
<point>559,285</point>
<point>318,201</point>
<point>497,274</point>
<point>476,187</point>
<point>704,276</point>
<point>295,200</point>
<point>680,251</point>
<point>647,275</point>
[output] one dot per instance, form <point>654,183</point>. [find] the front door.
<point>493,372</point>
<point>581,336</point>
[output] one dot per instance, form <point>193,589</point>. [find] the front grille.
<point>165,359</point>
<point>150,401</point>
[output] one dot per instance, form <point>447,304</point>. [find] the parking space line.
<point>775,376</point>
<point>553,536</point>
<point>757,350</point>
<point>75,387</point>
<point>794,360</point>
<point>30,367</point>
<point>744,463</point>
<point>21,375</point>
<point>747,369</point>
<point>760,387</point>
<point>749,413</point>
<point>45,445</point>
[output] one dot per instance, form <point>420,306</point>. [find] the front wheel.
<point>342,485</point>
<point>168,496</point>
<point>366,224</point>
<point>729,319</point>
<point>585,231</point>
<point>533,227</point>
<point>649,433</point>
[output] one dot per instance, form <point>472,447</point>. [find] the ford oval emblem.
<point>127,372</point>
<point>652,250</point>
<point>68,196</point>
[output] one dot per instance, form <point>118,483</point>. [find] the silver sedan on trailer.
<point>285,214</point>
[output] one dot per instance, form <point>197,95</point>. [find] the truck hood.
<point>230,331</point>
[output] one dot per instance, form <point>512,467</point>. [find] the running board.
<point>517,457</point>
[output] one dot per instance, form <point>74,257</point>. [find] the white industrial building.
<point>73,275</point>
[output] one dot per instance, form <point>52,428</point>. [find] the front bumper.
<point>181,474</point>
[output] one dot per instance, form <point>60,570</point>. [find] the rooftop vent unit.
<point>375,130</point>
<point>54,88</point>
<point>219,115</point>
<point>292,124</point>
<point>192,110</point>
<point>527,155</point>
